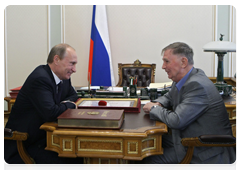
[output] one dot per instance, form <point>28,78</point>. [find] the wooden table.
<point>10,101</point>
<point>138,138</point>
<point>228,80</point>
<point>230,104</point>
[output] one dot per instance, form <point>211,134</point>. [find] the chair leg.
<point>188,157</point>
<point>23,154</point>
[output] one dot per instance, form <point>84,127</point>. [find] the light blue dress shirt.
<point>183,80</point>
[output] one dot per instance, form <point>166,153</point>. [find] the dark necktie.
<point>59,92</point>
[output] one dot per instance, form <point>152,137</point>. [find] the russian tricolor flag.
<point>100,71</point>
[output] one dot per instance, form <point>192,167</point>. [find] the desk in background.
<point>138,137</point>
<point>228,80</point>
<point>230,101</point>
<point>10,102</point>
<point>230,104</point>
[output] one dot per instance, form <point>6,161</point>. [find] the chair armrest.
<point>210,140</point>
<point>15,135</point>
<point>19,137</point>
<point>206,141</point>
<point>7,132</point>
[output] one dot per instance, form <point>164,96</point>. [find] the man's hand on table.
<point>147,107</point>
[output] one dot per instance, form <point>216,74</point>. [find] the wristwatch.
<point>153,107</point>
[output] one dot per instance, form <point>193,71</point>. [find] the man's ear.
<point>184,62</point>
<point>56,59</point>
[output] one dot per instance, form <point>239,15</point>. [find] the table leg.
<point>106,164</point>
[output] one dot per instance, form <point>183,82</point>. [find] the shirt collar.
<point>57,80</point>
<point>183,80</point>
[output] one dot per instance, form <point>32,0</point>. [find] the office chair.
<point>19,137</point>
<point>145,73</point>
<point>206,141</point>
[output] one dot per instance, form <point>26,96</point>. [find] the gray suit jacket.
<point>197,109</point>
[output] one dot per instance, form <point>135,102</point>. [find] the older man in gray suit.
<point>192,107</point>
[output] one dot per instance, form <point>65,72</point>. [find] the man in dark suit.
<point>192,107</point>
<point>46,93</point>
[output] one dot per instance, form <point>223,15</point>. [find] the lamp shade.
<point>220,46</point>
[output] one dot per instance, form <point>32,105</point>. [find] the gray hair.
<point>59,50</point>
<point>180,48</point>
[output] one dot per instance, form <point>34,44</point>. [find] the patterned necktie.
<point>59,92</point>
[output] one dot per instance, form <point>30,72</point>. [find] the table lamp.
<point>221,48</point>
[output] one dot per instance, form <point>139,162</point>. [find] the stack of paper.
<point>115,89</point>
<point>160,85</point>
<point>91,87</point>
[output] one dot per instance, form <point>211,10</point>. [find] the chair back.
<point>145,73</point>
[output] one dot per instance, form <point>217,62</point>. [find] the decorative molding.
<point>5,53</point>
<point>149,148</point>
<point>55,144</point>
<point>48,29</point>
<point>100,141</point>
<point>63,24</point>
<point>137,63</point>
<point>136,149</point>
<point>64,145</point>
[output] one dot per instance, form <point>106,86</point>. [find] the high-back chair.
<point>145,73</point>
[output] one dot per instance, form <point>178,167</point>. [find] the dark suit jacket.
<point>35,105</point>
<point>197,109</point>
